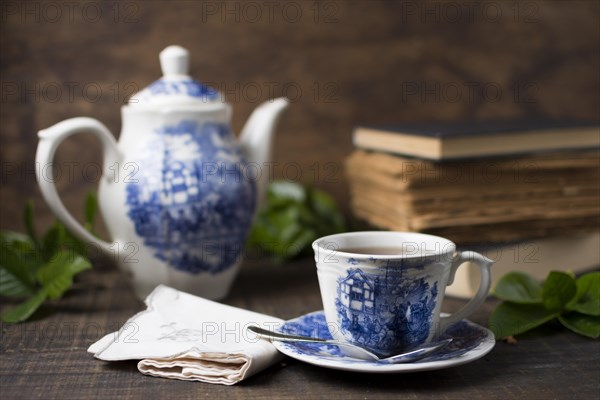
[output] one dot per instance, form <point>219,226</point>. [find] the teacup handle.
<point>50,139</point>
<point>485,282</point>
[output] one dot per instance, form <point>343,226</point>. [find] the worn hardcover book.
<point>575,253</point>
<point>445,141</point>
<point>494,200</point>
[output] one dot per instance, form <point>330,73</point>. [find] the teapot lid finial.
<point>176,87</point>
<point>174,60</point>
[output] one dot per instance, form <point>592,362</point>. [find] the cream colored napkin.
<point>180,336</point>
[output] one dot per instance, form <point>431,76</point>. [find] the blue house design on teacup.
<point>385,310</point>
<point>357,293</point>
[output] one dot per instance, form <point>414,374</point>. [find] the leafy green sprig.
<point>293,217</point>
<point>41,268</point>
<point>527,303</point>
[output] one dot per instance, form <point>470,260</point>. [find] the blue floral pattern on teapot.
<point>192,202</point>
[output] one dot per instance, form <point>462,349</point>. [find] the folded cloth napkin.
<point>181,336</point>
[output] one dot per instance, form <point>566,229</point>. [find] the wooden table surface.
<point>47,358</point>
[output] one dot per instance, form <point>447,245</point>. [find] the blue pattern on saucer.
<point>465,334</point>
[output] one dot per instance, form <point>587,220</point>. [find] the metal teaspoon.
<point>353,350</point>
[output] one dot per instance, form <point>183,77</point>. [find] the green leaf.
<point>26,309</point>
<point>297,244</point>
<point>18,257</point>
<point>509,319</point>
<point>29,226</point>
<point>321,202</point>
<point>15,238</point>
<point>74,244</point>
<point>587,298</point>
<point>286,191</point>
<point>12,286</point>
<point>57,275</point>
<point>518,287</point>
<point>294,216</point>
<point>586,325</point>
<point>27,263</point>
<point>53,240</point>
<point>90,210</point>
<point>558,290</point>
<point>328,219</point>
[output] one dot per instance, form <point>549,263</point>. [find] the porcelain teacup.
<point>384,290</point>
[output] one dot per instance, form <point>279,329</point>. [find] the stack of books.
<point>487,184</point>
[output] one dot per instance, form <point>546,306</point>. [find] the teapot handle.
<point>50,139</point>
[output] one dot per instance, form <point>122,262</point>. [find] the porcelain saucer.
<point>470,342</point>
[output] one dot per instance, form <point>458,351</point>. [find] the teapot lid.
<point>176,87</point>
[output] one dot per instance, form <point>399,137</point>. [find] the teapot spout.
<point>257,136</point>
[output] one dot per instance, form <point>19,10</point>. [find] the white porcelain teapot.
<point>178,192</point>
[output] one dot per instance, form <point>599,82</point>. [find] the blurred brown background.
<point>341,64</point>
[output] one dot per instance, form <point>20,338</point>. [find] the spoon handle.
<point>288,338</point>
<point>352,350</point>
